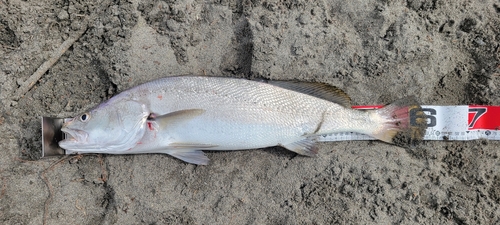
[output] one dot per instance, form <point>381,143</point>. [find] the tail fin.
<point>403,122</point>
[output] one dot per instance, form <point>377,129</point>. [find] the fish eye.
<point>85,117</point>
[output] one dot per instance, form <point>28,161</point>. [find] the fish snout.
<point>67,122</point>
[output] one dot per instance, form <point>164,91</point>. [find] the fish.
<point>184,115</point>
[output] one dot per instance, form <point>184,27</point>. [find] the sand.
<point>444,52</point>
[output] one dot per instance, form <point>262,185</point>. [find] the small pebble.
<point>63,15</point>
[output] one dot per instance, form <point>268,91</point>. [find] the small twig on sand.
<point>28,84</point>
<point>49,186</point>
<point>104,173</point>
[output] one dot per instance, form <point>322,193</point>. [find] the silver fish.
<point>181,116</point>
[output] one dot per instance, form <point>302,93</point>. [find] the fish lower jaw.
<point>74,135</point>
<point>69,142</point>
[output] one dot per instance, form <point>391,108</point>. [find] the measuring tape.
<point>462,123</point>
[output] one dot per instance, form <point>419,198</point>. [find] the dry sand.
<point>442,51</point>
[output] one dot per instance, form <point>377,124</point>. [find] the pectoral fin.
<point>190,156</point>
<point>303,147</point>
<point>175,118</point>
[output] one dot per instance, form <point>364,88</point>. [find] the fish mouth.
<point>73,136</point>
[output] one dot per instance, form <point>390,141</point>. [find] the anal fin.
<point>303,147</point>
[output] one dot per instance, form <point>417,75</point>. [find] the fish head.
<point>112,127</point>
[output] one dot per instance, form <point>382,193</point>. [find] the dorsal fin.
<point>318,90</point>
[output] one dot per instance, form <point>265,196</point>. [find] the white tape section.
<point>464,122</point>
